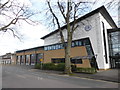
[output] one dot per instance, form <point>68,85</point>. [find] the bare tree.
<point>69,10</point>
<point>12,12</point>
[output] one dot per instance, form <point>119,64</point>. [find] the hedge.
<point>61,67</point>
<point>52,66</point>
<point>86,70</point>
<point>38,66</point>
<point>48,66</point>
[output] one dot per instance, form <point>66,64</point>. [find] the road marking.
<point>34,76</point>
<point>20,71</point>
<point>40,78</point>
<point>16,74</point>
<point>7,72</point>
<point>28,75</point>
<point>20,76</point>
<point>32,70</point>
<point>37,76</point>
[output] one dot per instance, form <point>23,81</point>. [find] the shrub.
<point>60,67</point>
<point>73,68</point>
<point>52,66</point>
<point>86,70</point>
<point>49,66</point>
<point>37,66</point>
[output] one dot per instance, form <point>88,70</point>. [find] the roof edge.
<point>30,48</point>
<point>100,9</point>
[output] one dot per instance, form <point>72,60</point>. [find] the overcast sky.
<point>30,34</point>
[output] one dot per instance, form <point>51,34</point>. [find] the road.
<point>18,77</point>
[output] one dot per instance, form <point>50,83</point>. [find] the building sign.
<point>88,27</point>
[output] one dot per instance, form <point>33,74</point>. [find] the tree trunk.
<point>69,39</point>
<point>67,59</point>
<point>67,49</point>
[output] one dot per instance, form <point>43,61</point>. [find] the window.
<point>73,61</point>
<point>76,61</point>
<point>89,50</point>
<point>79,43</point>
<point>86,42</point>
<point>45,48</point>
<point>114,43</point>
<point>50,47</point>
<point>59,46</point>
<point>73,44</point>
<point>56,46</point>
<point>76,43</point>
<point>62,60</point>
<point>58,60</point>
<point>104,39</point>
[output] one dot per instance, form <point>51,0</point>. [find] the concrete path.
<point>108,75</point>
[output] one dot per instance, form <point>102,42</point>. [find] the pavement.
<point>111,75</point>
<point>108,75</point>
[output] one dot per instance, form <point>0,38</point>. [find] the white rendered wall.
<point>95,35</point>
<point>55,38</point>
<point>107,26</point>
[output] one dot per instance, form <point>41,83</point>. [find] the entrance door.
<point>115,62</point>
<point>112,63</point>
<point>27,59</point>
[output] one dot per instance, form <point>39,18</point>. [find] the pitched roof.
<point>101,9</point>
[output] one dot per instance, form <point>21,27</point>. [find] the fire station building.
<point>96,43</point>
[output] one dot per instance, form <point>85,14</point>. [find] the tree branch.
<point>2,6</point>
<point>61,10</point>
<point>61,34</point>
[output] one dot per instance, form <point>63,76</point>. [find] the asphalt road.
<point>18,77</point>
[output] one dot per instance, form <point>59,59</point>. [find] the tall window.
<point>114,43</point>
<point>104,38</point>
